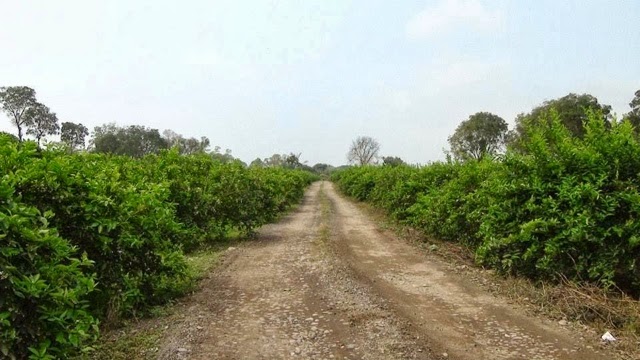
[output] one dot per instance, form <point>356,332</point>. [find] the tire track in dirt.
<point>457,316</point>
<point>286,296</point>
<point>326,283</point>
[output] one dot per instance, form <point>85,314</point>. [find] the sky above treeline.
<point>280,76</point>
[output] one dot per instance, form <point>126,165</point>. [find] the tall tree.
<point>172,137</point>
<point>15,101</point>
<point>292,161</point>
<point>194,146</point>
<point>40,122</point>
<point>105,139</point>
<point>572,110</point>
<point>364,151</point>
<point>73,135</point>
<point>482,134</point>
<point>392,161</point>
<point>634,114</point>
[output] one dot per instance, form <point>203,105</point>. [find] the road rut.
<point>326,282</point>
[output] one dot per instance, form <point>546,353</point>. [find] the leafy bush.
<point>568,207</point>
<point>565,206</point>
<point>112,241</point>
<point>454,209</point>
<point>44,282</point>
<point>120,218</point>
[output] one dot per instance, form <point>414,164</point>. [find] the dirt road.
<point>325,282</point>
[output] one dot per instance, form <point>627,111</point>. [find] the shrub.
<point>568,207</point>
<point>112,241</point>
<point>562,206</point>
<point>44,282</point>
<point>108,209</point>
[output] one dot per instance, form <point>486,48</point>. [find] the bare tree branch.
<point>364,151</point>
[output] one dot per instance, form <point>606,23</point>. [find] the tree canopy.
<point>322,168</point>
<point>257,163</point>
<point>224,157</point>
<point>15,102</point>
<point>482,134</point>
<point>392,161</point>
<point>134,140</point>
<point>572,110</point>
<point>40,122</point>
<point>187,146</point>
<point>73,135</point>
<point>634,114</point>
<point>292,161</point>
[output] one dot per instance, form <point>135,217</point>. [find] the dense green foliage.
<point>89,237</point>
<point>566,206</point>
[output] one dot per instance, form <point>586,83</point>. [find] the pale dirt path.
<point>325,282</point>
<point>286,296</point>
<point>454,313</point>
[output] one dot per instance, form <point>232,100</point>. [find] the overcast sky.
<point>264,77</point>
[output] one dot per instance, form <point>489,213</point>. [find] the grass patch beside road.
<point>139,339</point>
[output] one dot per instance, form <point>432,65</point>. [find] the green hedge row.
<point>562,206</point>
<point>90,237</point>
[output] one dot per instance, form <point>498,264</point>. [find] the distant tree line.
<point>291,161</point>
<point>32,118</point>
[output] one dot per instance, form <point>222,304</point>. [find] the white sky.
<point>264,77</point>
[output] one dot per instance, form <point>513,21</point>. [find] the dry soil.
<point>326,282</point>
